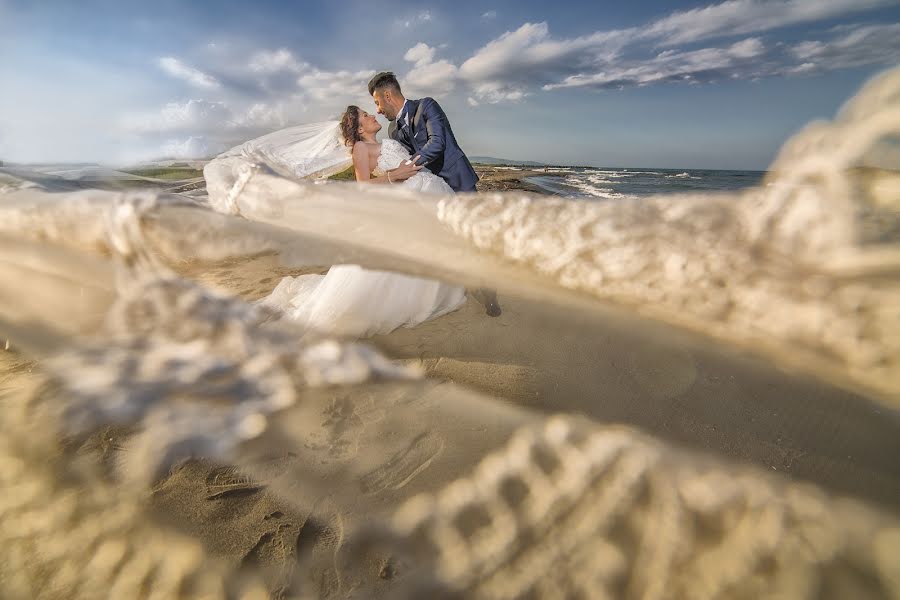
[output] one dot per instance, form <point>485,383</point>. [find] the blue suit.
<point>428,134</point>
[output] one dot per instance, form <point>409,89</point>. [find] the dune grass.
<point>345,175</point>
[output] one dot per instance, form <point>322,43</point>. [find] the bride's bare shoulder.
<point>363,149</point>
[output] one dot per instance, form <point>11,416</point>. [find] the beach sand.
<point>732,405</point>
<point>269,521</point>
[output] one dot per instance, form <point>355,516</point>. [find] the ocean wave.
<point>614,174</point>
<point>592,185</point>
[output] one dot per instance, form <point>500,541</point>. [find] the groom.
<point>425,131</point>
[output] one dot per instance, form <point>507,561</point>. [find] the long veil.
<point>306,151</point>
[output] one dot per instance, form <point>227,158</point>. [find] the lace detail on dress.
<point>392,154</point>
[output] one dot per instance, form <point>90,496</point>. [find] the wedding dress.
<point>393,153</point>
<point>351,301</point>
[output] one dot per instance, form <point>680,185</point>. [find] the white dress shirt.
<point>402,121</point>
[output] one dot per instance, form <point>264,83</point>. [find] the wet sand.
<point>493,179</point>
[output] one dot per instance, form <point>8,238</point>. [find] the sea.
<point>612,183</point>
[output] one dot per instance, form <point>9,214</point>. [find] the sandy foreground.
<point>733,406</point>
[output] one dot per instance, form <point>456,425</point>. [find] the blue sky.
<point>651,83</point>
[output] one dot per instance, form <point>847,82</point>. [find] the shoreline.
<point>493,179</point>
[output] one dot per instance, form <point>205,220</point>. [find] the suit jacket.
<point>429,135</point>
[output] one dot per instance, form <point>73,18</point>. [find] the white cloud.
<point>505,68</point>
<point>528,57</point>
<point>259,91</point>
<point>427,77</point>
<point>494,93</point>
<point>190,116</point>
<point>747,48</point>
<point>420,54</point>
<point>848,47</point>
<point>805,50</point>
<point>191,147</point>
<point>529,53</point>
<point>802,69</point>
<point>423,16</point>
<point>491,60</point>
<point>192,129</point>
<point>206,118</point>
<point>200,128</point>
<point>335,87</point>
<point>491,14</point>
<point>695,66</point>
<point>434,79</point>
<point>179,70</point>
<point>262,116</point>
<point>738,17</point>
<point>256,92</point>
<point>276,61</point>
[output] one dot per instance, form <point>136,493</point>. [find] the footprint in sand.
<point>228,481</point>
<point>318,545</point>
<point>225,482</point>
<point>404,465</point>
<point>271,548</point>
<point>273,556</point>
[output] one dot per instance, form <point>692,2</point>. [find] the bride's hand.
<point>405,169</point>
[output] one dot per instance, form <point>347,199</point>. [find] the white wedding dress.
<point>393,153</point>
<point>350,301</point>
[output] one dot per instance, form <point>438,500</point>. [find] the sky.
<point>674,84</point>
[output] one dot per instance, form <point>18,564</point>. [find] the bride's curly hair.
<point>350,125</point>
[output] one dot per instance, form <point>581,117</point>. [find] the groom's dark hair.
<point>382,80</point>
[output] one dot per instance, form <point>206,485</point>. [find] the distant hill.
<point>490,160</point>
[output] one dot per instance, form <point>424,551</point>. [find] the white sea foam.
<point>614,174</point>
<point>593,186</point>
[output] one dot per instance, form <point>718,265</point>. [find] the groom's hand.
<point>405,170</point>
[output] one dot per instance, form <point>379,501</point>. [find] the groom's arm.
<point>363,169</point>
<point>436,126</point>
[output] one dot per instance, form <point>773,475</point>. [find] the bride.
<point>350,301</point>
<point>387,162</point>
